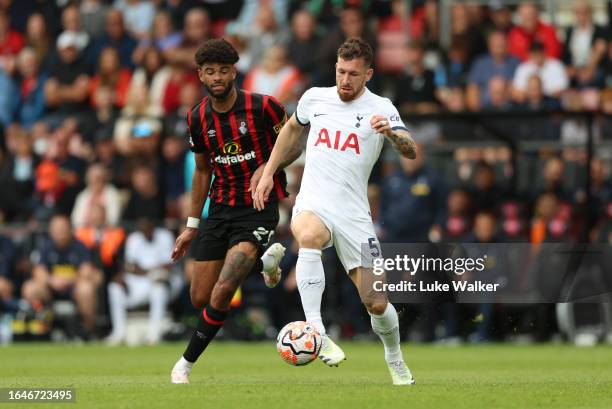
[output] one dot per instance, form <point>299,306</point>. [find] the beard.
<point>347,96</point>
<point>220,95</point>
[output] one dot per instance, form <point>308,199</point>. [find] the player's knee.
<point>376,307</point>
<point>199,299</point>
<point>310,240</point>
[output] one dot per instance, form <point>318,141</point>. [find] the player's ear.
<point>201,74</point>
<point>369,73</point>
<point>234,72</point>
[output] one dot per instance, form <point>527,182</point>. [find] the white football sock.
<point>386,326</point>
<point>117,299</point>
<point>268,261</point>
<point>310,279</point>
<point>183,364</point>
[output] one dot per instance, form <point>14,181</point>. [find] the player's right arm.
<point>284,150</point>
<point>199,191</point>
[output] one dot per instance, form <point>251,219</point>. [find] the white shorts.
<point>354,239</point>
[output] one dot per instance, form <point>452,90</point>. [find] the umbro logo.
<point>212,132</point>
<point>318,114</point>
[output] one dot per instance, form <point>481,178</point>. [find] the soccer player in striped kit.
<point>232,133</point>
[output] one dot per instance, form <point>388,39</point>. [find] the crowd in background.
<point>95,170</point>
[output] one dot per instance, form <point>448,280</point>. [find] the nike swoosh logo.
<point>316,115</point>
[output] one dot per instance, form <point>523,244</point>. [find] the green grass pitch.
<point>236,375</point>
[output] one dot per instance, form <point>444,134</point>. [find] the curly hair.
<point>356,48</point>
<point>216,51</point>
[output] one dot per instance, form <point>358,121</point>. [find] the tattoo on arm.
<point>403,143</point>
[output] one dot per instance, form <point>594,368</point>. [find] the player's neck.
<point>225,104</point>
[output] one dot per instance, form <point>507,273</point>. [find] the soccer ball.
<point>298,343</point>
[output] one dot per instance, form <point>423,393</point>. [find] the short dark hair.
<point>356,48</point>
<point>216,51</point>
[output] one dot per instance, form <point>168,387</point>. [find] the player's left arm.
<point>397,134</point>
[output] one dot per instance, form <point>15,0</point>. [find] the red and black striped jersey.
<point>238,142</point>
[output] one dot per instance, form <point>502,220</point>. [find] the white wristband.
<point>193,222</point>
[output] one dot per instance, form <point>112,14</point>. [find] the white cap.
<point>69,39</point>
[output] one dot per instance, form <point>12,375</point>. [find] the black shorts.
<point>228,225</point>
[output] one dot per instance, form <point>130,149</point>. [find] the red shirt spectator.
<point>532,29</point>
<point>11,42</point>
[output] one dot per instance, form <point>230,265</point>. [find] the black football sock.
<point>209,323</point>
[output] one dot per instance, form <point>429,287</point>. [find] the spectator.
<point>146,280</point>
<point>154,76</point>
<point>98,191</point>
<point>38,38</point>
<point>552,181</point>
<point>63,270</point>
<point>352,24</point>
<point>71,22</point>
<point>145,198</point>
<point>100,121</point>
<point>550,70</point>
<point>466,33</point>
<point>11,42</point>
<point>585,47</point>
<point>164,36</point>
<point>114,36</point>
<point>93,15</point>
<point>138,129</point>
<point>454,72</point>
<point>529,30</point>
<point>413,189</point>
<point>485,233</point>
<point>425,23</point>
<point>304,44</point>
<point>67,89</point>
<point>21,164</point>
<point>391,37</point>
<point>59,176</point>
<point>138,15</point>
<point>458,223</point>
<point>496,63</point>
<point>32,92</point>
<point>546,224</point>
<point>8,259</point>
<point>267,33</point>
<point>111,75</point>
<point>535,100</point>
<point>276,77</point>
<point>416,87</point>
<point>486,194</point>
<point>8,102</point>
<point>106,154</point>
<point>173,149</point>
<point>498,98</point>
<point>196,30</point>
<point>501,16</point>
<point>104,241</point>
<point>601,188</point>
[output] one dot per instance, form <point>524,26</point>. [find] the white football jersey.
<point>341,149</point>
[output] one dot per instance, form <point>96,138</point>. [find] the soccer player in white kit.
<point>348,127</point>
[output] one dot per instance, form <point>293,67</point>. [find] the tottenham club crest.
<point>359,118</point>
<point>242,128</point>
